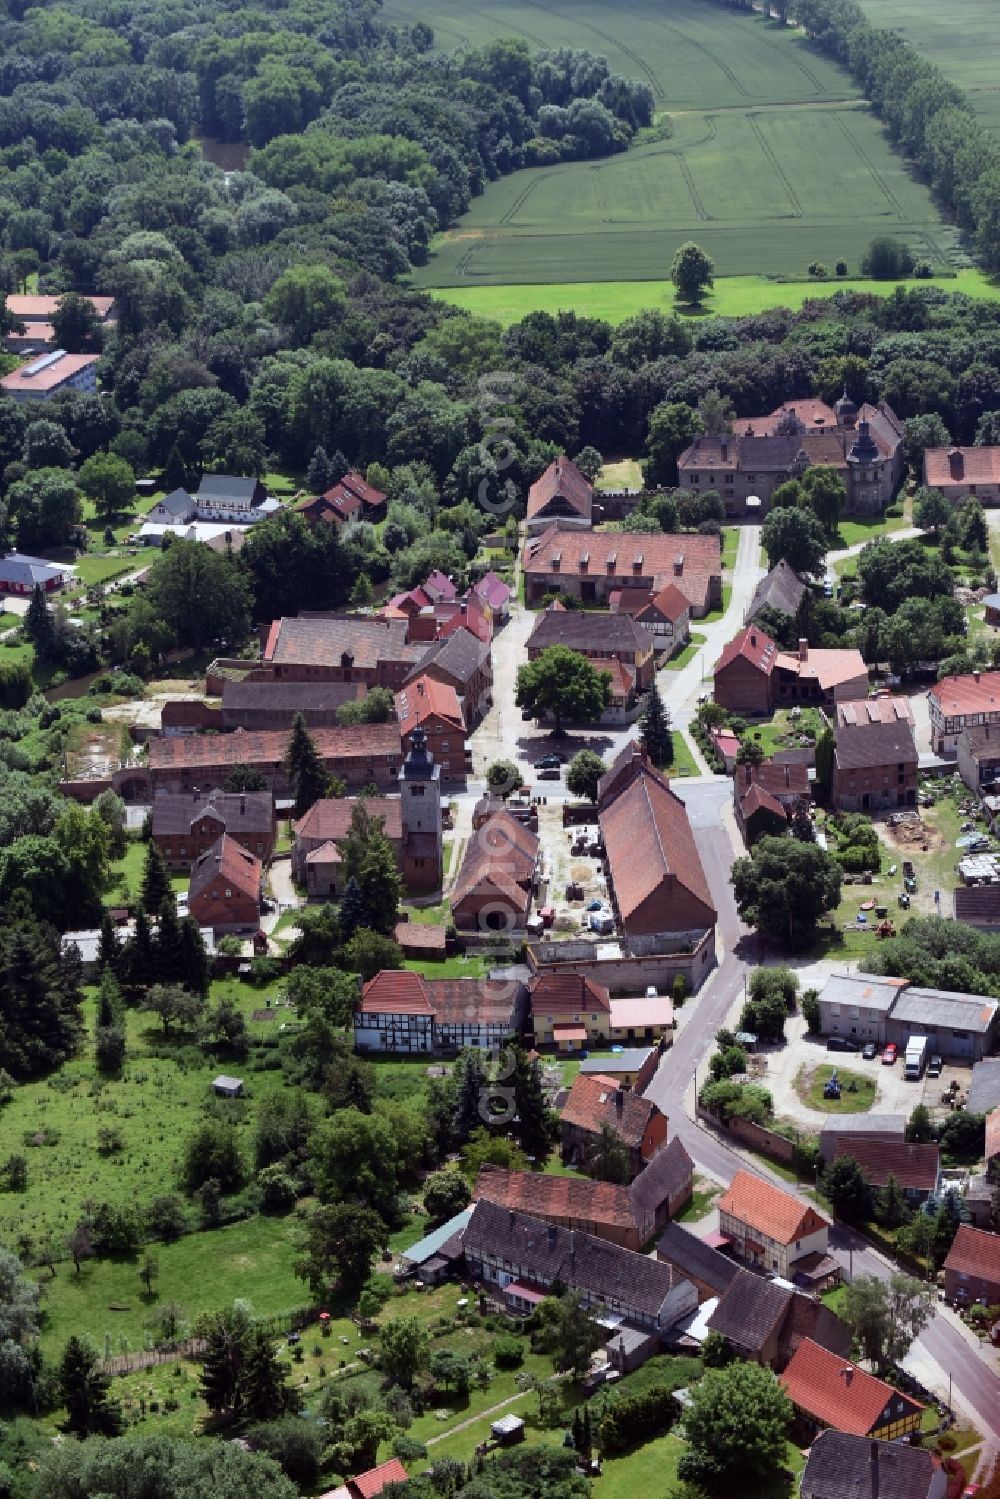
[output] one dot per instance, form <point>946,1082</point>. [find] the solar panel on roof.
<point>37,365</point>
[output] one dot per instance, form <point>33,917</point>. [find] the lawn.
<point>458,966</point>
<point>620,473</point>
<point>851,532</point>
<point>648,1470</point>
<point>732,296</point>
<point>92,569</point>
<point>686,653</point>
<point>700,1203</point>
<point>201,1272</point>
<point>684,760</point>
<point>810,1082</point>
<point>730,545</point>
<point>784,731</point>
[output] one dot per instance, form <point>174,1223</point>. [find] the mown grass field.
<point>774,160</point>
<point>962,38</point>
<point>732,296</point>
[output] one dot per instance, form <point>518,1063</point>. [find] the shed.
<point>508,1430</point>
<point>992,606</point>
<point>227,1087</point>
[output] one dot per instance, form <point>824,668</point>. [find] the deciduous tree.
<point>564,684</point>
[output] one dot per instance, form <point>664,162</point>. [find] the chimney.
<point>619,1100</point>
<point>679,565</point>
<point>612,563</point>
<point>803,649</point>
<point>552,1235</point>
<point>975,675</point>
<point>753,640</point>
<point>956,463</point>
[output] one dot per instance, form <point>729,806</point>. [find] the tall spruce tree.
<point>305,768</point>
<point>533,1126</point>
<point>38,625</point>
<point>155,880</point>
<point>353,910</point>
<point>223,1359</point>
<point>655,730</point>
<point>167,946</point>
<point>369,859</point>
<point>194,970</point>
<point>264,1392</point>
<point>84,1390</point>
<point>318,473</point>
<point>109,1026</point>
<point>470,1089</point>
<point>108,949</point>
<point>139,956</point>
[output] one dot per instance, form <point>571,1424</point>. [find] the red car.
<point>889,1055</point>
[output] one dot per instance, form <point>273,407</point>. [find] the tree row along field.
<point>962,38</point>
<point>773,162</point>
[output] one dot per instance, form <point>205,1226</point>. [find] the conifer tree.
<point>109,1028</point>
<point>305,768</point>
<point>264,1392</point>
<point>84,1391</point>
<point>894,1208</point>
<point>175,473</point>
<point>108,950</point>
<point>469,1092</point>
<point>38,626</point>
<point>222,1361</point>
<point>167,947</point>
<point>533,1128</point>
<point>139,954</point>
<point>369,860</point>
<point>193,967</point>
<point>318,473</point>
<point>155,880</point>
<point>655,730</point>
<point>353,911</point>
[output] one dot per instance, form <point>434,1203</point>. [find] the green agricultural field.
<point>774,161</point>
<point>962,38</point>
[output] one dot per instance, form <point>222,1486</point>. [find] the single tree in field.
<point>80,1244</point>
<point>109,482</point>
<point>608,1159</point>
<point>583,773</point>
<point>404,1349</point>
<point>84,1392</point>
<point>655,730</point>
<point>692,272</point>
<point>305,768</point>
<point>156,886</point>
<point>563,683</point>
<point>148,1271</point>
<point>338,1248</point>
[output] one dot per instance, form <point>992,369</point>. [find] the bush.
<point>508,1352</point>
<point>278,1192</point>
<point>631,1419</point>
<point>296,1446</point>
<point>408,1449</point>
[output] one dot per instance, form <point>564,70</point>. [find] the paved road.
<point>943,1348</point>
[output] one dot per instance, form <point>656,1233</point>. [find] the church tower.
<point>420,796</point>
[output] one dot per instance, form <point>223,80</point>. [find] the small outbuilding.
<point>227,1087</point>
<point>992,606</point>
<point>508,1430</point>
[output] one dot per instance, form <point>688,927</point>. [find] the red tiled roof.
<point>425,697</point>
<point>759,800</point>
<point>913,1166</point>
<point>330,818</point>
<point>238,867</point>
<point>338,640</point>
<point>836,1392</point>
<point>576,1197</point>
<point>650,846</point>
<point>396,991</point>
<point>979,692</point>
<point>593,1100</point>
<point>501,853</point>
<point>669,603</point>
<point>375,1480</point>
<point>755,1202</point>
<point>650,556</point>
<point>567,994</point>
<point>993,1134</point>
<point>774,778</point>
<point>752,645</point>
<point>829,668</point>
<point>49,377</point>
<point>564,480</point>
<point>975,1252</point>
<point>882,709</point>
<point>267,746</point>
<point>34,307</point>
<point>422,937</point>
<point>944,467</point>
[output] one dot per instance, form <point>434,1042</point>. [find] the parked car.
<point>934,1067</point>
<point>549,773</point>
<point>549,762</point>
<point>904,901</point>
<point>910,884</point>
<point>842,1043</point>
<point>869,1050</point>
<point>889,1055</point>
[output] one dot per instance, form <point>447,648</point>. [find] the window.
<point>416,790</point>
<point>229,895</point>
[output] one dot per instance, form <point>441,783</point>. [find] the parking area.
<point>783,1070</point>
